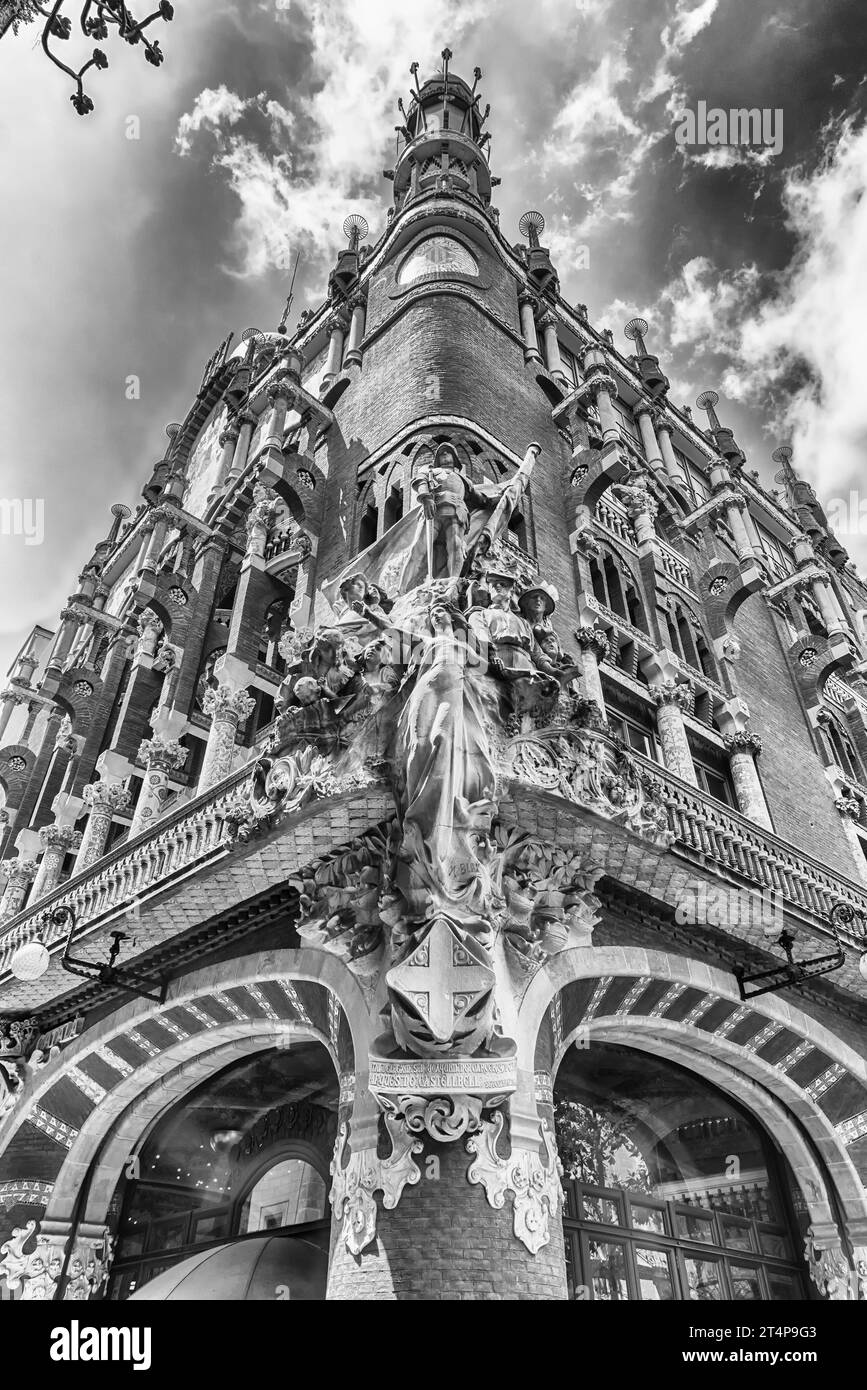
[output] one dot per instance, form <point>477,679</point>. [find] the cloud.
<point>303,190</point>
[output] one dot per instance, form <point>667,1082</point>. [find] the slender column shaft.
<point>672,699</point>
<point>228,708</point>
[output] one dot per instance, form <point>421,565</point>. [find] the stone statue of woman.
<point>448,777</point>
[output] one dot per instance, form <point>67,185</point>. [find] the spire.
<point>722,436</point>
<point>442,146</point>
<point>806,506</point>
<point>540,272</point>
<point>345,273</point>
<point>655,381</point>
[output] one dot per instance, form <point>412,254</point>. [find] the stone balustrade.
<point>700,829</point>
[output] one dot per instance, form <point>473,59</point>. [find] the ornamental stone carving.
<point>743,741</point>
<point>162,752</point>
<point>535,1187</point>
<point>673,693</point>
<point>357,1176</point>
<point>591,769</point>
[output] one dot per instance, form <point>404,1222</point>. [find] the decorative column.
<point>849,808</point>
<point>281,393</point>
<point>594,648</point>
<point>358,304</point>
<point>672,465</point>
<point>338,324</point>
<point>9,701</point>
<point>527,305</point>
<point>228,443</point>
<point>553,360</point>
<point>228,708</point>
<point>19,874</point>
<point>104,799</point>
<point>161,755</point>
<point>641,508</point>
<point>673,699</point>
<point>603,388</point>
<point>247,422</point>
<point>69,626</point>
<point>832,615</point>
<point>743,748</point>
<point>158,525</point>
<point>57,841</point>
<point>643,412</point>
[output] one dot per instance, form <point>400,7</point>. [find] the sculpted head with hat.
<point>538,601</point>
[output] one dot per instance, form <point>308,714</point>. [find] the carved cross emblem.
<point>442,978</point>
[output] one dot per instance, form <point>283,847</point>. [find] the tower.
<point>409,734</point>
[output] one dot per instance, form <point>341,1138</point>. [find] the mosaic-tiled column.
<point>673,699</point>
<point>594,648</point>
<point>104,799</point>
<point>743,749</point>
<point>19,874</point>
<point>161,755</point>
<point>228,708</point>
<point>57,841</point>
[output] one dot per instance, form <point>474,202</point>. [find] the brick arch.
<point>76,1101</point>
<point>104,1146</point>
<point>767,1046</point>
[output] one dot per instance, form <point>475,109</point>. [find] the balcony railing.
<point>184,839</point>
<point>714,834</point>
<point>197,832</point>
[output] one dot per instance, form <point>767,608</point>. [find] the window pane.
<point>601,1209</point>
<point>691,1226</point>
<point>704,1280</point>
<point>653,1268</point>
<point>648,1218</point>
<point>289,1193</point>
<point>784,1288</point>
<point>777,1246</point>
<point>608,1271</point>
<point>746,1284</point>
<point>736,1236</point>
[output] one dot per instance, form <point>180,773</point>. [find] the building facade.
<point>399,816</point>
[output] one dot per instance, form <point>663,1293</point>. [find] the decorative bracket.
<point>355,1182</point>
<point>535,1186</point>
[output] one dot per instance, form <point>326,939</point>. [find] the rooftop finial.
<point>635,331</point>
<point>707,401</point>
<point>355,227</point>
<point>654,379</point>
<point>531,225</point>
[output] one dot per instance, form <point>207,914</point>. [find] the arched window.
<point>843,750</point>
<point>247,1151</point>
<point>657,1209</point>
<point>368,527</point>
<point>393,510</point>
<point>288,1193</point>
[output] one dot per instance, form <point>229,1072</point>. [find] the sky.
<point>133,239</point>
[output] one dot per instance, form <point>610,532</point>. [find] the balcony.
<point>200,833</point>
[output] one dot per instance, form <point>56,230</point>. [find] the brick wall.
<point>444,1243</point>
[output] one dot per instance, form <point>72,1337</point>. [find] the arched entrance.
<point>244,1153</point>
<point>673,1192</point>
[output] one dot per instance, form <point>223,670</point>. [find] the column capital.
<point>526,297</point>
<point>63,837</point>
<point>19,870</point>
<point>593,639</point>
<point>162,752</point>
<point>743,741</point>
<point>673,692</point>
<point>223,701</point>
<point>111,795</point>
